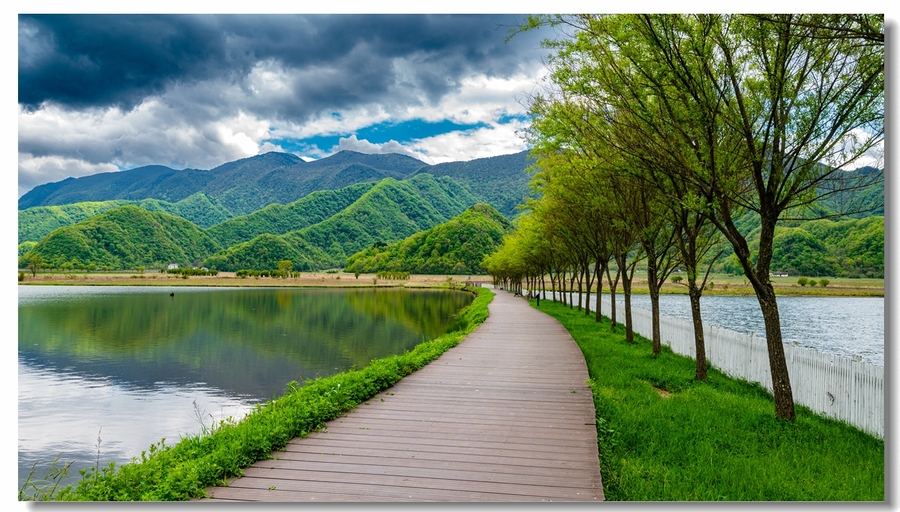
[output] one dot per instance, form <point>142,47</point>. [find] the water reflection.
<point>130,362</point>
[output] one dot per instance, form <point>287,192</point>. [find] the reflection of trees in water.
<point>248,341</point>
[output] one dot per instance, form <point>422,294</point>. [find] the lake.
<point>104,372</point>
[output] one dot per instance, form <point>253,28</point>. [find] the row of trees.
<point>656,134</point>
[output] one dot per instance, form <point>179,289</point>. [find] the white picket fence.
<point>832,386</point>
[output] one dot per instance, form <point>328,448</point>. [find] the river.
<point>849,327</point>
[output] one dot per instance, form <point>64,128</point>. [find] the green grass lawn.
<point>665,437</point>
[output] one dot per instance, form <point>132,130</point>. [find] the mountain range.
<point>360,211</point>
<point>254,212</point>
<point>247,185</point>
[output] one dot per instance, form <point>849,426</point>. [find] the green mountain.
<point>247,185</point>
<point>851,247</point>
<point>277,219</point>
<point>389,211</point>
<point>125,238</point>
<point>500,181</point>
<point>241,187</point>
<point>454,247</point>
<point>37,222</point>
<point>265,251</point>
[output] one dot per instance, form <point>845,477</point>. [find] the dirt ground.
<point>729,285</point>
<point>308,279</point>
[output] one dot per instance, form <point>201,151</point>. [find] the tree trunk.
<point>598,269</point>
<point>765,294</point>
<point>654,303</point>
<point>612,297</point>
<point>699,341</point>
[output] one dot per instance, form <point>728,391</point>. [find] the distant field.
<point>722,284</point>
<point>152,278</point>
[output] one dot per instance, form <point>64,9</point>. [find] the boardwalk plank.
<point>504,416</point>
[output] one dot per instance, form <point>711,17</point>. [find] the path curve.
<point>506,415</point>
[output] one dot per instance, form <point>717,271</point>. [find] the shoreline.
<point>732,286</point>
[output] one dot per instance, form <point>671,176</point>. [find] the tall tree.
<point>761,113</point>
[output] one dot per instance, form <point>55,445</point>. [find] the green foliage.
<point>277,219</point>
<point>803,281</point>
<point>265,251</point>
<point>390,210</point>
<point>37,222</point>
<point>500,181</point>
<point>124,238</point>
<point>457,246</point>
<point>186,469</point>
<point>676,279</point>
<point>24,247</point>
<point>824,282</point>
<point>851,247</point>
<point>21,276</point>
<point>713,440</point>
<point>247,185</point>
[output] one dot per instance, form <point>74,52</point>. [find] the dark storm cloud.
<point>334,61</point>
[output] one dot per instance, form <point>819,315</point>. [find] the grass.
<point>184,470</point>
<point>666,437</point>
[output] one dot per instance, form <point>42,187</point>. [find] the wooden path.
<point>505,415</point>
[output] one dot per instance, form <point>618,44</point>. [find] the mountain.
<point>454,247</point>
<point>278,219</point>
<point>38,221</point>
<point>850,247</point>
<point>500,181</point>
<point>152,181</point>
<point>247,185</point>
<point>125,238</point>
<point>389,211</point>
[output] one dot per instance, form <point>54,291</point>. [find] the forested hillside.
<point>247,185</point>
<point>277,219</point>
<point>125,238</point>
<point>388,212</point>
<point>851,247</point>
<point>332,222</point>
<point>500,181</point>
<point>37,222</point>
<point>455,247</point>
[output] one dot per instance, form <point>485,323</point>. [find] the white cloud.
<point>202,125</point>
<point>351,143</point>
<point>34,171</point>
<point>498,139</point>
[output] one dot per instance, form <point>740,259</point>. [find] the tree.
<point>286,267</point>
<point>35,263</point>
<point>752,113</point>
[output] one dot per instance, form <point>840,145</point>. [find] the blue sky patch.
<point>380,133</point>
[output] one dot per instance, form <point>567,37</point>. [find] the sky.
<point>100,93</point>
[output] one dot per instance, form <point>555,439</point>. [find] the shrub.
<point>802,281</point>
<point>824,282</point>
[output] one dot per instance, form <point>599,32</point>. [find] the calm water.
<point>132,365</point>
<point>850,327</point>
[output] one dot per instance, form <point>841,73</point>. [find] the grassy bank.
<point>665,437</point>
<point>184,470</point>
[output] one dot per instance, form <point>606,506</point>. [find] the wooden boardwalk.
<point>505,415</point>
